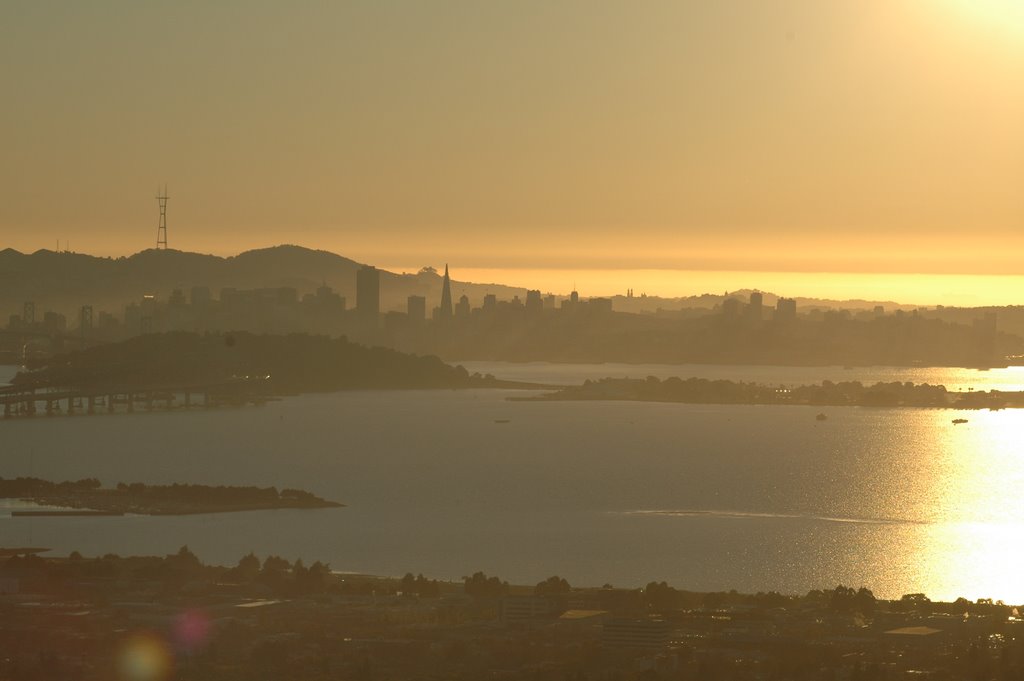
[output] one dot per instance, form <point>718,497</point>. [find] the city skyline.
<point>977,290</point>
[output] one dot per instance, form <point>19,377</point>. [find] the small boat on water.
<point>821,417</point>
<point>501,420</point>
<point>957,422</point>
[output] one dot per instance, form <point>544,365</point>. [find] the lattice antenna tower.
<point>161,230</point>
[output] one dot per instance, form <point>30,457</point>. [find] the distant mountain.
<point>65,281</point>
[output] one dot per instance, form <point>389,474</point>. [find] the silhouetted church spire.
<point>446,295</point>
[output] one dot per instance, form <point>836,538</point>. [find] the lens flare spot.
<point>191,630</point>
<point>144,658</point>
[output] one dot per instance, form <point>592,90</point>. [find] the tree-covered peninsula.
<point>274,364</point>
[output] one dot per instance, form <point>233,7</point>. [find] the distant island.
<point>827,393</point>
<point>181,370</point>
<point>91,498</point>
<point>285,363</point>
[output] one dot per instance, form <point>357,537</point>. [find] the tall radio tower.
<point>161,230</point>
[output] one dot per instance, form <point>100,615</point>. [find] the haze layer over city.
<point>562,340</point>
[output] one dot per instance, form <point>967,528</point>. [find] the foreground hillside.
<point>272,618</point>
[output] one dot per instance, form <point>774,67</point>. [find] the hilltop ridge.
<point>64,281</point>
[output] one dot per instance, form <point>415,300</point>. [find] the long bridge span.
<point>25,401</point>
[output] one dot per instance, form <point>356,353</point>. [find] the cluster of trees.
<point>282,577</point>
<point>420,585</point>
<point>844,599</point>
<point>273,575</point>
<point>30,487</point>
<point>704,391</point>
<point>224,494</point>
<point>892,394</point>
<point>479,585</point>
<point>552,586</point>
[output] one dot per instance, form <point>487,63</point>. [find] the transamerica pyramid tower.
<point>446,296</point>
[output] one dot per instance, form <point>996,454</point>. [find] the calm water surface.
<point>705,497</point>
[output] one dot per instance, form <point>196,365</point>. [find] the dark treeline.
<point>827,393</point>
<point>290,363</point>
<point>30,487</point>
<point>277,576</point>
<point>273,576</point>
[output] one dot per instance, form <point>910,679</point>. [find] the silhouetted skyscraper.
<point>416,308</point>
<point>755,307</point>
<point>368,292</point>
<point>731,307</point>
<point>785,309</point>
<point>534,304</point>
<point>462,308</point>
<point>85,320</point>
<point>445,311</point>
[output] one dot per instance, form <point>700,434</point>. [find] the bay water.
<point>446,483</point>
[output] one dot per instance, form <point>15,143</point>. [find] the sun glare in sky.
<point>999,15</point>
<point>909,289</point>
<point>881,136</point>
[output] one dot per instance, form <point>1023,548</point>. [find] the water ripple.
<point>688,513</point>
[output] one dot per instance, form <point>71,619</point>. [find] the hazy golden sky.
<point>781,135</point>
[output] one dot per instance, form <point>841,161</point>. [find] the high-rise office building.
<point>785,309</point>
<point>462,307</point>
<point>755,308</point>
<point>416,309</point>
<point>534,304</point>
<point>368,292</point>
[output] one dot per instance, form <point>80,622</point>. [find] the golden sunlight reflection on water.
<point>973,547</point>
